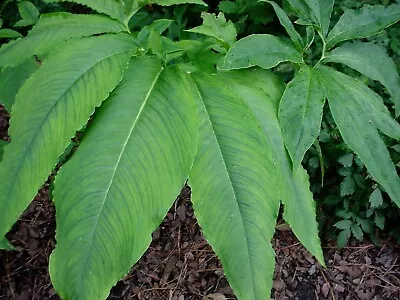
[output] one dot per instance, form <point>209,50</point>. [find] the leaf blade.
<point>263,50</point>
<point>127,201</point>
<point>237,223</point>
<point>38,141</point>
<point>50,31</point>
<point>363,22</point>
<point>371,60</point>
<point>300,113</point>
<point>358,132</point>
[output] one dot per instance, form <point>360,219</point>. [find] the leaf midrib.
<point>114,172</point>
<point>232,188</point>
<point>53,106</point>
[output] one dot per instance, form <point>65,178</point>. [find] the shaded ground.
<point>181,265</point>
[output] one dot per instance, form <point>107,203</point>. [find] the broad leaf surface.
<point>9,33</point>
<point>234,189</point>
<point>82,75</point>
<point>287,23</point>
<point>2,144</point>
<point>363,22</point>
<point>300,113</point>
<point>49,33</point>
<point>11,80</point>
<point>358,114</point>
<point>262,91</point>
<point>141,145</point>
<point>263,50</point>
<point>373,61</point>
<point>112,8</point>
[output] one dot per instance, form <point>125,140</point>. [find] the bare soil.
<point>180,264</point>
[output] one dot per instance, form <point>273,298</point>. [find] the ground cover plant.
<point>156,111</point>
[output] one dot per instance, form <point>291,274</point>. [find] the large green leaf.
<point>11,80</point>
<point>262,91</point>
<point>141,145</point>
<point>51,31</point>
<point>52,104</point>
<point>358,113</point>
<point>363,22</point>
<point>263,50</point>
<point>112,8</point>
<point>234,189</point>
<point>300,113</point>
<point>371,60</point>
<point>321,10</point>
<point>177,2</point>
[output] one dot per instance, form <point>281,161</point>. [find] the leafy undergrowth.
<point>181,265</point>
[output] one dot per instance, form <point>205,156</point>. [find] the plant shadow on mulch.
<point>180,264</point>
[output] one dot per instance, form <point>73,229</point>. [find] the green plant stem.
<point>323,47</point>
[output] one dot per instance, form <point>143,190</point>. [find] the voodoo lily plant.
<point>154,112</point>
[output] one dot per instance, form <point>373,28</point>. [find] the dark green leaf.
<point>357,232</point>
<point>347,187</point>
<point>346,160</point>
<point>375,199</point>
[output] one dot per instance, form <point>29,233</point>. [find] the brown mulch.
<point>180,264</point>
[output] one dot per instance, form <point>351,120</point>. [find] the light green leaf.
<point>159,26</point>
<point>321,10</point>
<point>363,22</point>
<point>82,75</point>
<point>50,31</point>
<point>370,103</point>
<point>218,28</point>
<point>28,12</point>
<point>261,90</point>
<point>112,8</point>
<point>285,22</point>
<point>358,112</point>
<point>104,222</point>
<point>234,188</point>
<point>11,80</point>
<point>343,224</point>
<point>357,232</point>
<point>300,113</point>
<point>9,34</point>
<point>263,50</point>
<point>375,199</point>
<point>371,60</point>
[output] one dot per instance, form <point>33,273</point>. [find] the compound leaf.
<point>263,50</point>
<point>358,113</point>
<point>50,31</point>
<point>363,22</point>
<point>218,28</point>
<point>11,80</point>
<point>300,113</point>
<point>82,75</point>
<point>233,188</point>
<point>141,145</point>
<point>371,60</point>
<point>262,91</point>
